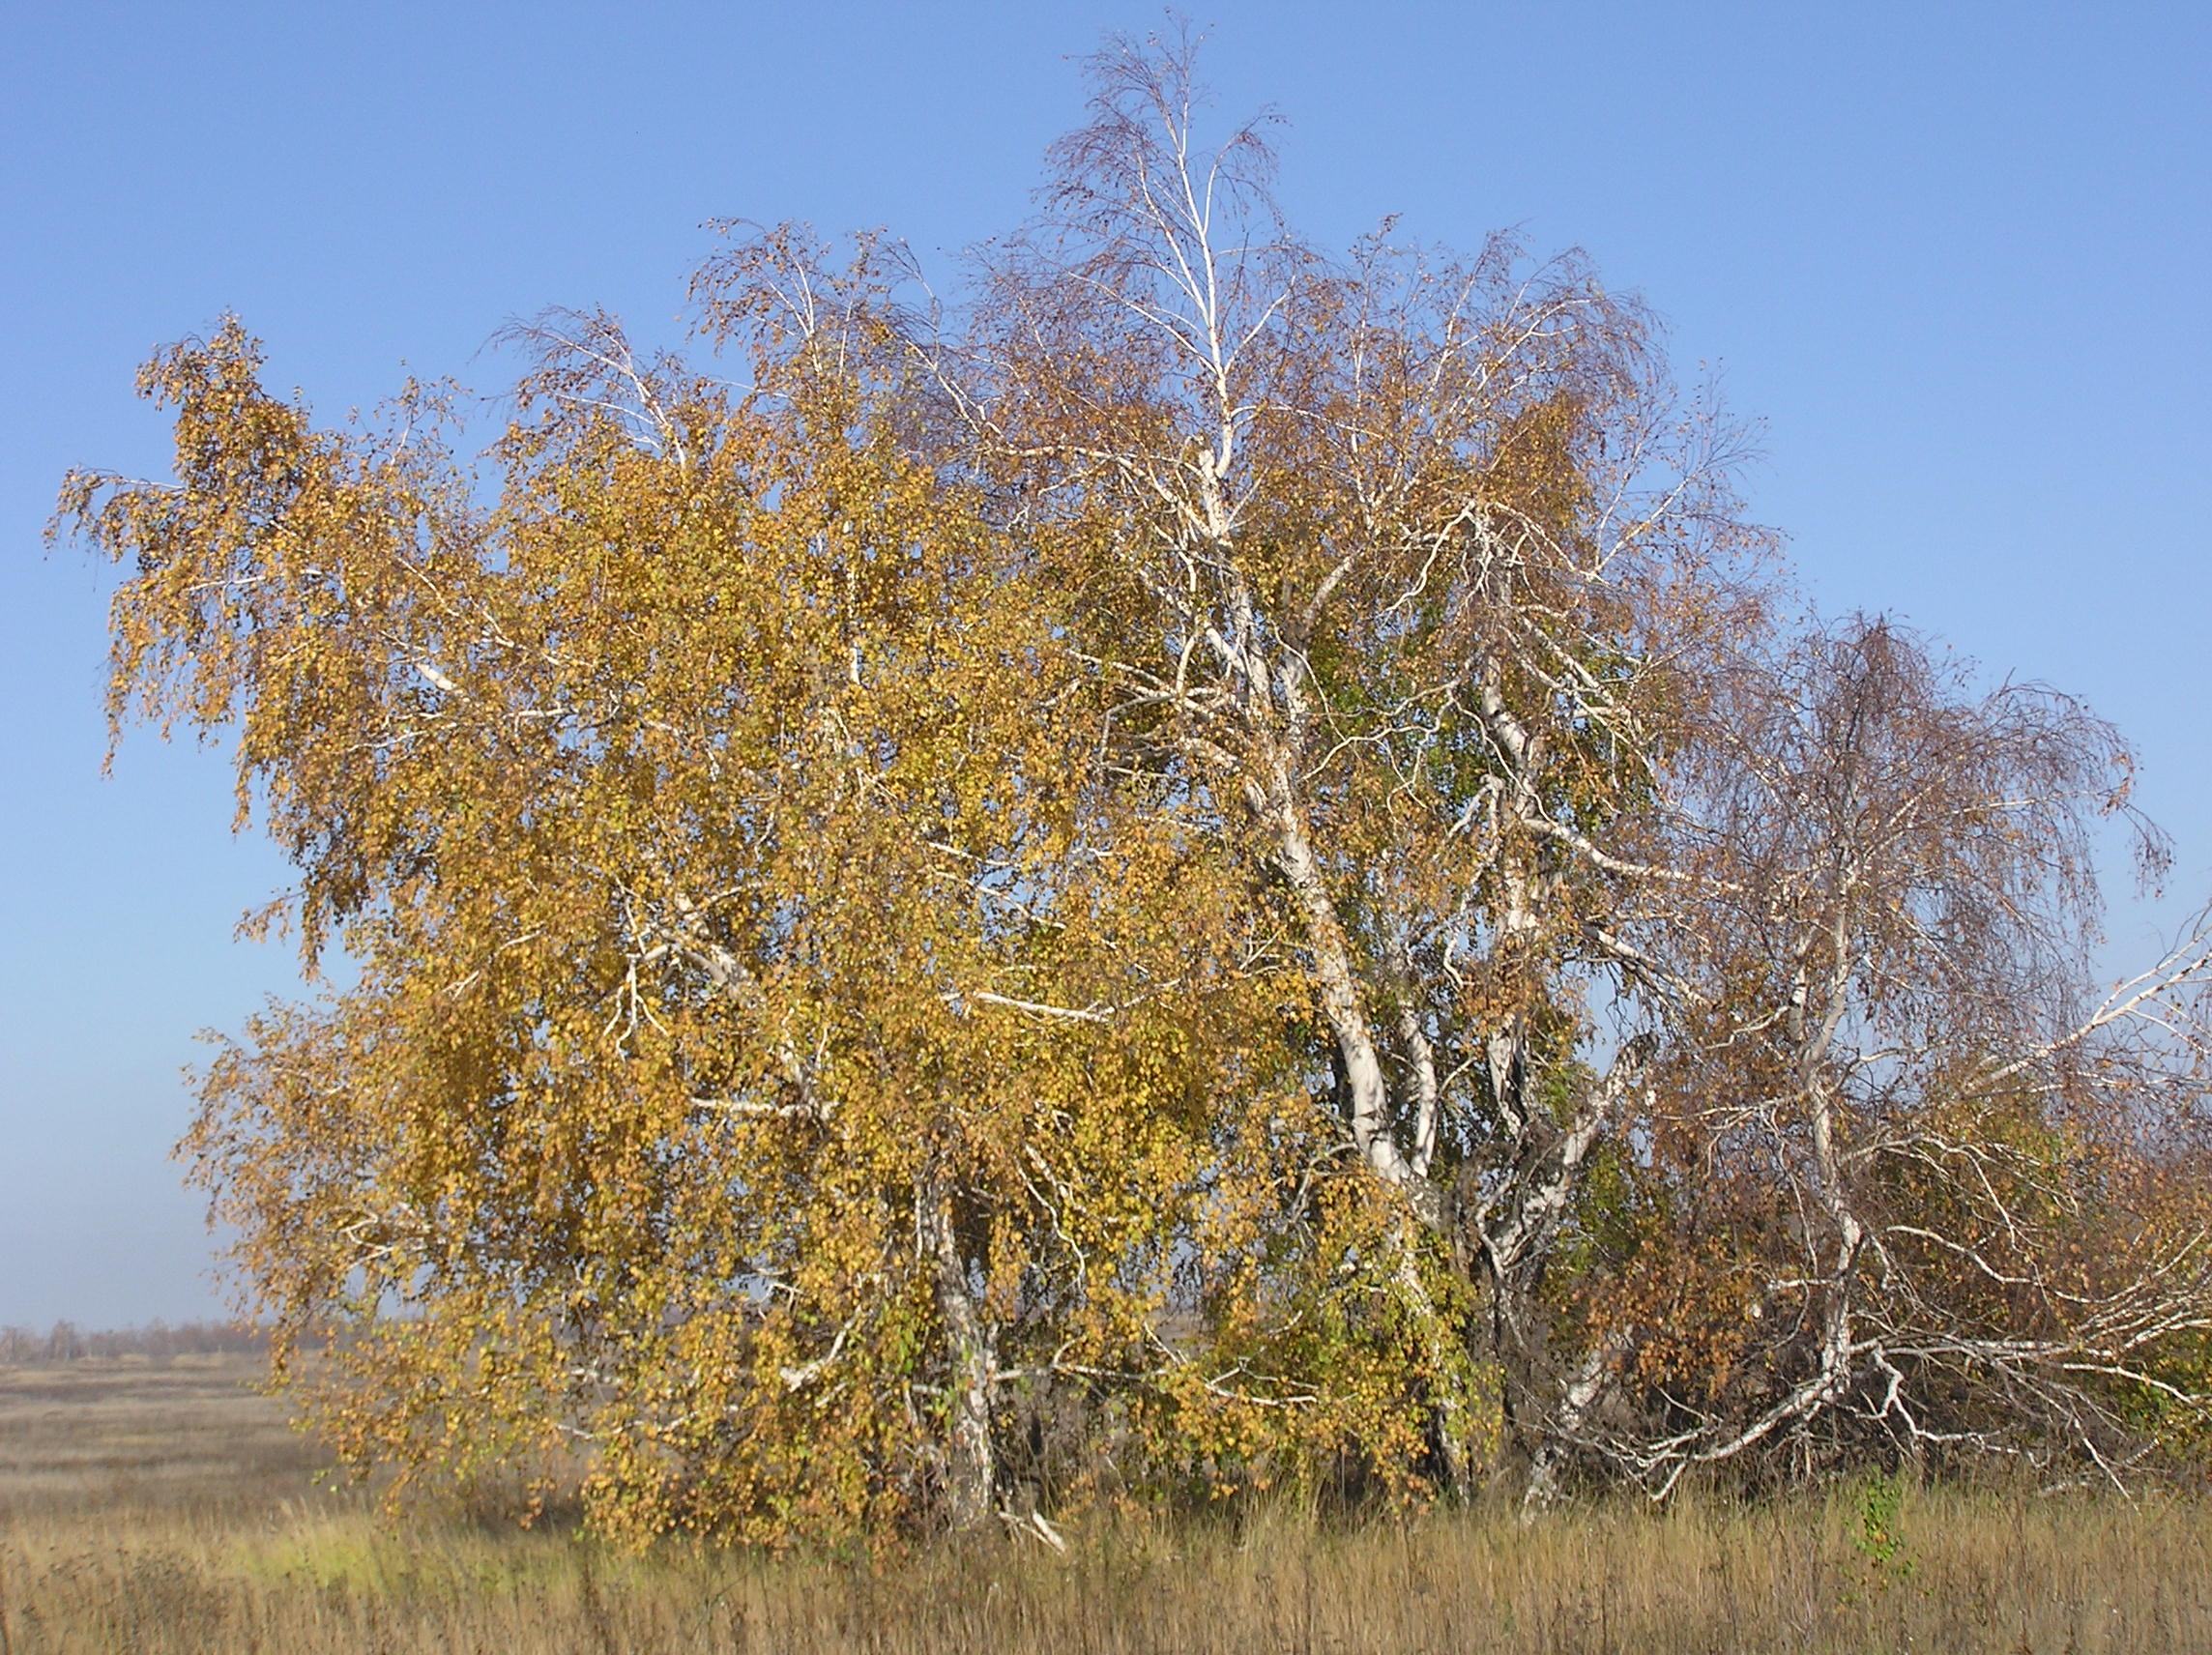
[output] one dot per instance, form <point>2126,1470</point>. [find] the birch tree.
<point>1406,569</point>
<point>1932,1194</point>
<point>726,1107</point>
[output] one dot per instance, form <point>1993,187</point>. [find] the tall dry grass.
<point>102,1548</point>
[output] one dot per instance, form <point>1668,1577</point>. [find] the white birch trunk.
<point>971,1470</point>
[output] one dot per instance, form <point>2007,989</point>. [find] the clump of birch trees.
<point>1214,867</point>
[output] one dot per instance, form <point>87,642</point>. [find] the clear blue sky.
<point>1954,255</point>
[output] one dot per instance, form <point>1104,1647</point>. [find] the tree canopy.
<point>1214,866</point>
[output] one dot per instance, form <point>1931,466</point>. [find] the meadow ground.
<point>161,1505</point>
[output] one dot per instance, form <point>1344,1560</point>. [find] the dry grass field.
<point>161,1505</point>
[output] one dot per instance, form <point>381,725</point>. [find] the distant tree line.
<point>1213,868</point>
<point>66,1342</point>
